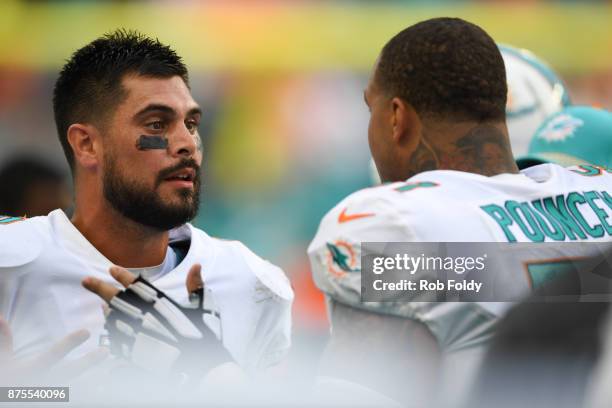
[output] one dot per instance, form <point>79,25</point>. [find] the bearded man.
<point>128,125</point>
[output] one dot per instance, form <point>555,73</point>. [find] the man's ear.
<point>406,124</point>
<point>85,142</point>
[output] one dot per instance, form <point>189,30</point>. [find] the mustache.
<point>183,164</point>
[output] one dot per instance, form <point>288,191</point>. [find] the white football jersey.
<point>545,203</point>
<point>44,259</point>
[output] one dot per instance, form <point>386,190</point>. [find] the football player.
<point>129,128</point>
<point>438,135</point>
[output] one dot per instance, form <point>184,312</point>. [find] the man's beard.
<point>144,205</point>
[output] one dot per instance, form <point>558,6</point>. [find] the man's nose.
<point>183,142</point>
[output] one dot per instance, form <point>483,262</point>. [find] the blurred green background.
<point>281,86</point>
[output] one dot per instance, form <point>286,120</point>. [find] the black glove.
<point>155,333</point>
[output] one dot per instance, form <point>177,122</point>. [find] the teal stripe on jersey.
<point>8,220</point>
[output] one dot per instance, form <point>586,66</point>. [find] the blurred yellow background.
<point>574,36</point>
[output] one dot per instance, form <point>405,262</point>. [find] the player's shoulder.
<point>234,257</point>
<point>417,185</point>
<point>268,275</point>
<point>594,173</point>
<point>397,201</point>
<point>579,177</point>
<point>22,239</point>
<point>375,214</point>
<point>422,186</point>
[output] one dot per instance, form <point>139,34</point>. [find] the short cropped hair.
<point>89,86</point>
<point>445,68</point>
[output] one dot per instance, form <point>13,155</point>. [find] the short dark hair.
<point>89,86</point>
<point>445,67</point>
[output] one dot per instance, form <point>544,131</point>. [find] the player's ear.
<point>406,124</point>
<point>83,139</point>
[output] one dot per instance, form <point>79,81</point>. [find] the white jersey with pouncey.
<point>44,259</point>
<point>545,203</point>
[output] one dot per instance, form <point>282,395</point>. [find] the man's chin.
<point>180,203</point>
<point>168,214</point>
<point>167,220</point>
<point>178,196</point>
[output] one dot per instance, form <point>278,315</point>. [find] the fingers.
<point>57,352</point>
<point>105,290</point>
<point>122,275</point>
<point>6,338</point>
<point>194,278</point>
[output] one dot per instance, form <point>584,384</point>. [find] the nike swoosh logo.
<point>344,217</point>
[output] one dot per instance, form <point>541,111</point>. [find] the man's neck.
<point>121,240</point>
<point>474,148</point>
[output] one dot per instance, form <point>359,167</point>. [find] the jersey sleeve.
<point>335,252</point>
<point>20,242</point>
<point>335,258</point>
<point>20,245</point>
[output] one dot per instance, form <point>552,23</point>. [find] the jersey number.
<point>541,272</point>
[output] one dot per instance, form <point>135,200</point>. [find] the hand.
<point>107,291</point>
<point>151,330</point>
<point>47,365</point>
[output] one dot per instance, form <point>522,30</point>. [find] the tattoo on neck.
<point>146,142</point>
<point>424,158</point>
<point>483,150</point>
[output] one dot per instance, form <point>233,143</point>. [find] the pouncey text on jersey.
<point>559,218</point>
<point>544,203</point>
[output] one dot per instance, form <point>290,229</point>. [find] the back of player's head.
<point>89,86</point>
<point>445,68</point>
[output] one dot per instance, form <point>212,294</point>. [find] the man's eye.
<point>192,126</point>
<point>157,125</point>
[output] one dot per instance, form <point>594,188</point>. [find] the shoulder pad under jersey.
<point>21,240</point>
<point>243,264</point>
<point>269,276</point>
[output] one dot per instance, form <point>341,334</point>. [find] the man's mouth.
<point>182,178</point>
